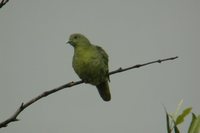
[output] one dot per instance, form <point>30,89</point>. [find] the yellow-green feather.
<point>90,62</point>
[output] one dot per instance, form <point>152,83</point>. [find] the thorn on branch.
<point>45,93</point>
<point>22,106</point>
<point>120,69</point>
<point>159,61</point>
<point>71,83</point>
<point>16,120</point>
<point>137,66</point>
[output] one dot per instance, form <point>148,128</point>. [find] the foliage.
<point>174,120</point>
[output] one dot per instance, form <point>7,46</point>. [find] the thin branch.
<point>3,2</point>
<point>13,118</point>
<point>141,65</point>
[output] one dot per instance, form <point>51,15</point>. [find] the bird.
<point>90,62</point>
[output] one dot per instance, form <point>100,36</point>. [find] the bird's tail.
<point>104,91</point>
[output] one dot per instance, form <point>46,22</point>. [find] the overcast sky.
<point>35,58</point>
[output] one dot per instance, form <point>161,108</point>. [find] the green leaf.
<point>192,122</point>
<point>168,123</point>
<point>167,119</point>
<point>176,130</point>
<point>195,124</point>
<point>175,114</point>
<point>181,117</point>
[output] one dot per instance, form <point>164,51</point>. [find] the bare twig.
<point>3,2</point>
<point>141,65</point>
<point>13,118</point>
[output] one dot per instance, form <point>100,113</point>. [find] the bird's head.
<point>78,39</point>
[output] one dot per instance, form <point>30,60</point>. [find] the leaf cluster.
<point>172,123</point>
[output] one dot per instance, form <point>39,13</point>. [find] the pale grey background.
<point>35,58</point>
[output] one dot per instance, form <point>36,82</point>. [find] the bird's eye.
<point>75,37</point>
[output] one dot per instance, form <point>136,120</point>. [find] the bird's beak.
<point>68,42</point>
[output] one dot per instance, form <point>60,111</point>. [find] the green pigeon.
<point>90,62</point>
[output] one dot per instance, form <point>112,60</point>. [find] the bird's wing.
<point>104,54</point>
<point>105,58</point>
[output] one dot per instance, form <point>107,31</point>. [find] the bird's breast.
<point>88,67</point>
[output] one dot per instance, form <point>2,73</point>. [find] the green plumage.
<point>90,62</point>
